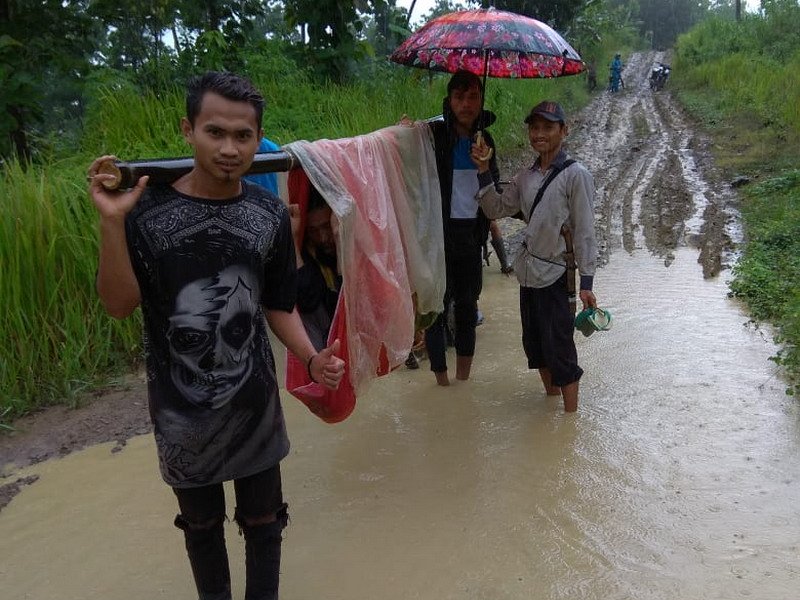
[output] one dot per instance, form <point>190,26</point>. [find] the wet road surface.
<point>677,479</point>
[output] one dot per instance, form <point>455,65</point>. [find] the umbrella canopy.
<point>489,42</point>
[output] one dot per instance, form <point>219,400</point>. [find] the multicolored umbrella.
<point>489,42</point>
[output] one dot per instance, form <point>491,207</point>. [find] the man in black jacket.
<point>318,279</point>
<point>465,225</point>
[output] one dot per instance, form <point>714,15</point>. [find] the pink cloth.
<point>384,190</point>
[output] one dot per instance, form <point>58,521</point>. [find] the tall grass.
<point>752,67</point>
<point>55,338</point>
<point>767,277</point>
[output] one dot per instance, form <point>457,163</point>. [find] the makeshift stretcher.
<point>384,190</point>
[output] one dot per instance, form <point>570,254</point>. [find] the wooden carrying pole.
<point>167,170</point>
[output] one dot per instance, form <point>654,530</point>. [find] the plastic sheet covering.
<point>384,189</point>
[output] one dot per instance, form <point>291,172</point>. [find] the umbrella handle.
<point>479,142</point>
<point>483,92</point>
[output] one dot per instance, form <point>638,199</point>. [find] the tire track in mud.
<point>656,186</point>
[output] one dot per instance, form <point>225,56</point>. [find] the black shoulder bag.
<point>569,255</point>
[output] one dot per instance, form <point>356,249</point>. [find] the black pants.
<point>202,518</point>
<point>464,284</point>
<point>548,328</point>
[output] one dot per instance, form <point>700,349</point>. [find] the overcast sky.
<point>423,7</point>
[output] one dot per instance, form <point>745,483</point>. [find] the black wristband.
<point>308,368</point>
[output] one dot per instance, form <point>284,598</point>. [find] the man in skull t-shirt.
<point>205,267</point>
<point>210,259</point>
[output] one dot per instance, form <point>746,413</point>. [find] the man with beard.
<point>319,279</point>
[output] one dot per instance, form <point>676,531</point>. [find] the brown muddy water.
<point>678,478</point>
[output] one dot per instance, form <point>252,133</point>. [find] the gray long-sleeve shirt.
<point>568,200</point>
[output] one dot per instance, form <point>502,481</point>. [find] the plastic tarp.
<point>384,190</point>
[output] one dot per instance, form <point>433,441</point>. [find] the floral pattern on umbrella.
<point>510,45</point>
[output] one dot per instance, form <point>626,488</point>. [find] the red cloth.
<point>384,190</point>
<point>331,406</point>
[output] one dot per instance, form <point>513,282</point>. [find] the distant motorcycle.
<point>659,76</point>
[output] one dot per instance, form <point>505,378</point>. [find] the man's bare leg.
<point>442,378</point>
<point>463,367</point>
<point>570,393</point>
<point>547,380</point>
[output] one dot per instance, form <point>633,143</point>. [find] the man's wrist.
<point>308,367</point>
<point>112,222</point>
<point>484,178</point>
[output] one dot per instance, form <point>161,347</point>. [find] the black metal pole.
<point>167,170</point>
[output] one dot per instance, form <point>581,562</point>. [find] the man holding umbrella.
<point>465,225</point>
<point>555,197</point>
<point>492,43</point>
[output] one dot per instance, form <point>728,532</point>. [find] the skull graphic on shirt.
<point>211,335</point>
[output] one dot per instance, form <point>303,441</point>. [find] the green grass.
<point>767,277</point>
<point>57,341</point>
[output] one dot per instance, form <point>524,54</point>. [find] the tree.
<point>557,13</point>
<point>388,27</point>
<point>332,29</point>
<point>134,31</point>
<point>669,18</point>
<point>45,49</point>
<point>208,34</point>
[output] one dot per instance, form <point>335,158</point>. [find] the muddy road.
<point>678,478</point>
<point>657,188</point>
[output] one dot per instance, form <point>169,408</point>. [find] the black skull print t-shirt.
<point>206,269</point>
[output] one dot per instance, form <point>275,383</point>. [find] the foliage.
<point>333,28</point>
<point>767,274</point>
<point>55,337</point>
<point>557,13</point>
<point>747,69</point>
<point>600,31</point>
<point>44,54</point>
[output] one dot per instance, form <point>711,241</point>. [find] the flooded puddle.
<point>678,477</point>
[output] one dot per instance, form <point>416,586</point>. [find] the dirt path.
<point>657,186</point>
<point>657,189</point>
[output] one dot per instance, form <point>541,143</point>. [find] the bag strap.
<point>553,174</point>
<point>572,269</point>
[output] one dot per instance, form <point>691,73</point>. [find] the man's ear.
<point>187,130</point>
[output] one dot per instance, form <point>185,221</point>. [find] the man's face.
<point>225,137</point>
<point>466,106</point>
<point>546,136</point>
<point>319,233</point>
